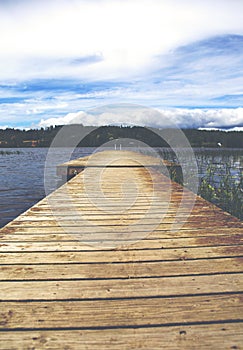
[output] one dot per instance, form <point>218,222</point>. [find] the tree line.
<point>88,136</point>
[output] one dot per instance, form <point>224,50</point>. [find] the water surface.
<point>22,175</point>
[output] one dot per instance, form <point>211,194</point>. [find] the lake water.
<point>22,175</point>
<point>22,179</point>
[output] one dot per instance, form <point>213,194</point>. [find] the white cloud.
<point>28,112</point>
<point>184,118</point>
<point>237,128</point>
<point>70,118</point>
<point>126,34</point>
<point>135,44</point>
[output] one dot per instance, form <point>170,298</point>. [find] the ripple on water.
<point>22,175</point>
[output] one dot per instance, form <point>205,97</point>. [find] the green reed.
<point>227,193</point>
<point>6,153</point>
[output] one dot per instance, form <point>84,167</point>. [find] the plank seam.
<point>123,262</point>
<point>123,278</point>
<point>172,296</point>
<point>135,326</point>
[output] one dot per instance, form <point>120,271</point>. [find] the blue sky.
<point>59,59</point>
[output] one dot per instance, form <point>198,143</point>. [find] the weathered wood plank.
<point>57,233</point>
<point>158,216</point>
<point>126,270</point>
<point>90,256</point>
<point>146,225</point>
<point>121,312</point>
<point>74,244</point>
<point>121,159</point>
<point>174,288</point>
<point>121,288</point>
<point>223,336</point>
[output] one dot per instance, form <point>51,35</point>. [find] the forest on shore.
<point>97,136</point>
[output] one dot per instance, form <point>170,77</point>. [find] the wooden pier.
<point>126,159</point>
<point>78,273</point>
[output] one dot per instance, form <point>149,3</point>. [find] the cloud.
<point>62,56</point>
<point>183,118</point>
<point>237,128</point>
<point>104,39</point>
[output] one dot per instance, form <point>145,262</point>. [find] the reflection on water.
<point>22,175</point>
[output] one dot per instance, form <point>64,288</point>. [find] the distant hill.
<point>96,137</point>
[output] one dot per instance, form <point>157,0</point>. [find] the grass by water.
<point>7,153</point>
<point>227,193</point>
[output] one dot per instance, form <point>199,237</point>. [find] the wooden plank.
<point>121,312</point>
<point>222,336</point>
<point>57,233</point>
<point>74,245</point>
<point>120,288</point>
<point>92,256</point>
<point>52,284</point>
<point>117,159</point>
<point>21,241</point>
<point>111,218</point>
<point>127,270</point>
<point>70,225</point>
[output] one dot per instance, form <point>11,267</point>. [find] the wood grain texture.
<point>122,312</point>
<point>222,336</point>
<point>173,280</point>
<point>77,271</point>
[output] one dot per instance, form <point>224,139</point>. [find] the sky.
<point>59,59</point>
